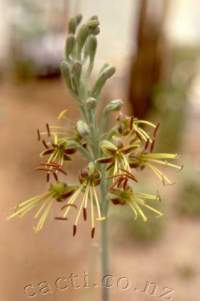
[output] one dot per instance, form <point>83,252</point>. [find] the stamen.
<point>55,176</point>
<point>92,232</point>
<point>45,144</point>
<point>38,135</point>
<point>72,200</point>
<point>141,212</point>
<point>69,205</point>
<point>125,183</point>
<point>47,177</point>
<point>152,145</point>
<point>97,202</point>
<point>129,175</point>
<point>74,230</point>
<point>48,130</point>
<point>84,214</point>
<point>146,145</point>
<point>92,218</point>
<point>47,152</point>
<point>61,218</point>
<point>156,129</point>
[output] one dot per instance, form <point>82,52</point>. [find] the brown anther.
<point>38,135</point>
<point>61,218</point>
<point>84,214</point>
<point>55,176</point>
<point>105,160</point>
<point>156,129</point>
<point>138,135</point>
<point>152,145</point>
<point>69,205</point>
<point>125,183</point>
<point>129,175</point>
<point>67,194</point>
<point>48,130</point>
<point>62,171</point>
<point>92,232</point>
<point>48,177</point>
<point>119,181</point>
<point>74,230</point>
<point>47,152</point>
<point>146,144</point>
<point>128,149</point>
<point>116,201</point>
<point>69,151</point>
<point>45,144</point>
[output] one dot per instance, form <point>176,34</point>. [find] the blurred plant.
<point>114,155</point>
<point>170,97</point>
<point>188,202</point>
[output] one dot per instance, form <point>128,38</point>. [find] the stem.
<point>104,242</point>
<point>104,258</point>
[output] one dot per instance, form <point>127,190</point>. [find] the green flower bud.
<point>65,69</point>
<point>70,45</point>
<point>82,128</point>
<point>93,23</point>
<point>76,71</point>
<point>91,103</point>
<point>91,168</point>
<point>107,147</point>
<point>104,76</point>
<point>82,35</point>
<point>91,47</point>
<point>113,105</point>
<point>73,23</point>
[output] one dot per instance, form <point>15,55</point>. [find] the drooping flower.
<point>43,203</point>
<point>89,179</point>
<point>116,156</point>
<point>132,127</point>
<point>137,201</point>
<point>59,147</point>
<point>152,161</point>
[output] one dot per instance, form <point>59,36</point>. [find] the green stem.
<point>104,258</point>
<point>104,242</point>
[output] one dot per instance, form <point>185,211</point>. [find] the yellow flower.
<point>152,160</point>
<point>89,179</point>
<point>43,203</point>
<point>137,201</point>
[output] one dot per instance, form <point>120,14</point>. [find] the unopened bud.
<point>82,128</point>
<point>91,168</point>
<point>107,146</point>
<point>66,73</point>
<point>104,76</point>
<point>91,47</point>
<point>70,45</point>
<point>73,23</point>
<point>91,102</point>
<point>76,70</point>
<point>113,105</point>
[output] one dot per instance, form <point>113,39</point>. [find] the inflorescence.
<point>114,156</point>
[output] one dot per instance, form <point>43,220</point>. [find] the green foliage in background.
<point>171,97</point>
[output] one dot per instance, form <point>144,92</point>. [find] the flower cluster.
<point>114,156</point>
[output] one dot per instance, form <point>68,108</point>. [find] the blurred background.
<point>155,46</point>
